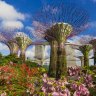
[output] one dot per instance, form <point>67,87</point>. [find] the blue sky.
<point>29,7</point>
<point>25,10</point>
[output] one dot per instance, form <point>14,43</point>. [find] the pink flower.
<point>3,94</point>
<point>45,75</point>
<point>55,94</point>
<point>44,89</point>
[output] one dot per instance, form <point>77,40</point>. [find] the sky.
<point>18,14</point>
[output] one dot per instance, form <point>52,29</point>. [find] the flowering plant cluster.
<point>79,89</point>
<point>21,80</point>
<point>73,71</point>
<point>63,87</point>
<point>16,80</point>
<point>6,74</point>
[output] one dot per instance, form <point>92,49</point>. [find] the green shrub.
<point>31,64</point>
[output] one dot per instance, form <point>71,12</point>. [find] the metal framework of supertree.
<point>84,49</point>
<point>23,42</point>
<point>8,39</point>
<point>58,22</point>
<point>86,42</point>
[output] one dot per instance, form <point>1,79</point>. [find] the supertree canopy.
<point>85,49</point>
<point>23,42</point>
<point>61,21</point>
<point>10,42</point>
<point>62,31</point>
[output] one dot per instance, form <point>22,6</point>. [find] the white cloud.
<point>11,25</point>
<point>3,47</point>
<point>81,39</point>
<point>8,12</point>
<point>30,53</point>
<point>10,18</point>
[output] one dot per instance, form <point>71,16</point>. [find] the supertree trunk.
<point>85,49</point>
<point>14,51</point>
<point>22,55</point>
<point>13,48</point>
<point>86,58</point>
<point>61,31</point>
<point>53,59</point>
<point>61,69</point>
<point>82,61</point>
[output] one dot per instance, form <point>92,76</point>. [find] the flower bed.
<point>21,80</point>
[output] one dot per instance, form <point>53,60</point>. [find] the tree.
<point>85,49</point>
<point>63,21</point>
<point>53,53</point>
<point>23,42</point>
<point>62,31</point>
<point>11,43</point>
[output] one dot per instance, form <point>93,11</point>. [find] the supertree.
<point>84,47</point>
<point>53,56</point>
<point>93,42</point>
<point>8,32</point>
<point>23,42</point>
<point>63,21</point>
<point>10,42</point>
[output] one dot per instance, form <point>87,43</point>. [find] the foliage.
<point>16,79</point>
<point>22,80</point>
<point>10,58</point>
<point>31,64</point>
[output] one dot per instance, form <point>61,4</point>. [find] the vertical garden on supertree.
<point>85,49</point>
<point>63,21</point>
<point>8,39</point>
<point>23,42</point>
<point>53,56</point>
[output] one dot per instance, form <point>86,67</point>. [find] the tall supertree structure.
<point>58,22</point>
<point>10,42</point>
<point>62,31</point>
<point>93,42</point>
<point>84,47</point>
<point>53,56</point>
<point>23,42</point>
